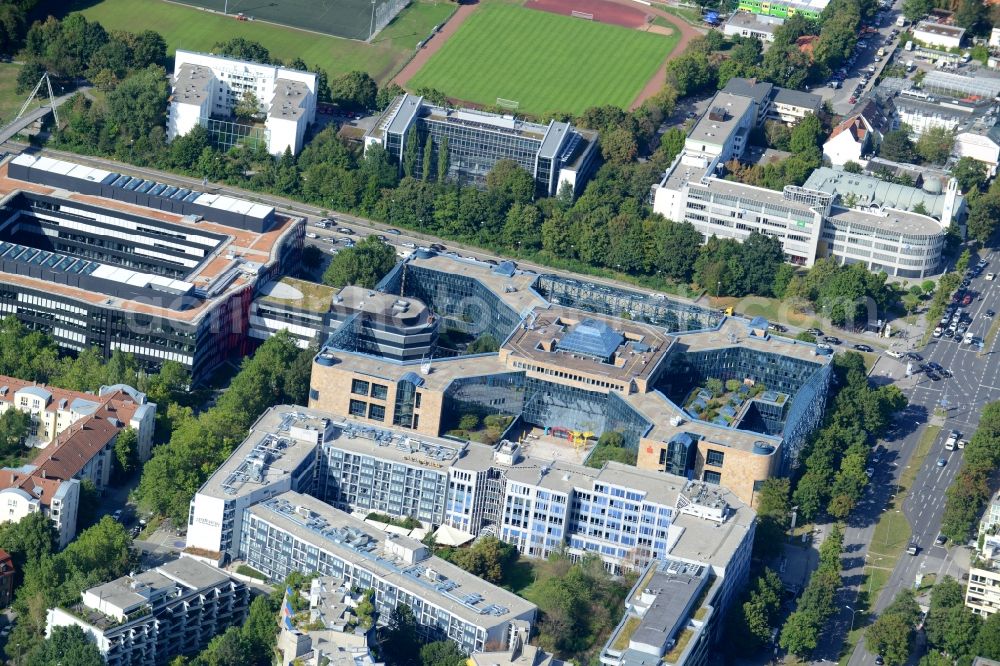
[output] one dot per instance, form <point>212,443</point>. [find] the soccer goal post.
<point>511,104</point>
<point>583,15</point>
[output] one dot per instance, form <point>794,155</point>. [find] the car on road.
<point>942,462</point>
<point>912,549</point>
<point>408,244</point>
<point>325,223</point>
<point>437,247</point>
<point>941,539</point>
<point>346,230</point>
<point>967,299</point>
<point>394,232</point>
<point>989,314</point>
<point>991,276</point>
<point>311,234</point>
<point>914,356</point>
<point>777,328</point>
<point>879,660</point>
<point>892,353</point>
<point>831,340</point>
<point>933,376</point>
<point>938,331</point>
<point>863,348</point>
<point>382,238</point>
<point>814,331</point>
<point>934,366</point>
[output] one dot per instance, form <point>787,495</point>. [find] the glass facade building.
<point>475,141</point>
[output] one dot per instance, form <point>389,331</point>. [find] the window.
<point>714,458</point>
<point>313,394</point>
<point>416,404</point>
<point>376,412</point>
<point>712,477</point>
<point>359,387</point>
<point>357,408</point>
<point>379,391</point>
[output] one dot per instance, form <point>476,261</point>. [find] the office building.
<point>517,653</point>
<point>101,259</point>
<point>147,619</point>
<point>295,532</point>
<point>784,8</point>
<point>774,102</point>
<point>568,365</point>
<point>82,450</point>
<point>388,325</point>
<point>723,132</point>
<point>278,455</point>
<point>938,34</point>
<point>556,155</point>
<point>207,88</point>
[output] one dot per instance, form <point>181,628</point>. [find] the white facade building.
<point>206,86</point>
<point>723,132</point>
<point>937,34</point>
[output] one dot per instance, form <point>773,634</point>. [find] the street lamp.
<point>853,612</point>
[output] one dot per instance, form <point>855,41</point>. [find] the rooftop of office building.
<point>512,286</point>
<point>289,101</point>
<point>590,344</point>
<point>888,219</point>
<point>192,84</point>
<point>298,294</point>
<point>279,442</point>
<point>721,119</point>
<point>386,309</point>
<point>222,257</point>
<point>404,562</point>
<point>740,332</point>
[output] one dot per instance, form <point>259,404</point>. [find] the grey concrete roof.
<point>798,98</point>
<point>289,101</point>
<point>759,91</point>
<point>872,190</point>
<point>192,84</point>
<point>896,221</point>
<point>754,22</point>
<point>716,131</point>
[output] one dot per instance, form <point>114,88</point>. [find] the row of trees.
<point>891,635</point>
<point>800,633</point>
<point>400,643</point>
<point>749,631</point>
<point>278,373</point>
<point>968,493</point>
<point>836,456</point>
<point>488,558</point>
<point>14,24</point>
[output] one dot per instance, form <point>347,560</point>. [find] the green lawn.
<point>10,101</point>
<point>546,62</point>
<point>196,30</point>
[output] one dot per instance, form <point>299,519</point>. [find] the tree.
<point>508,178</point>
<point>426,172</point>
<point>488,558</point>
<point>442,161</point>
<point>619,146</point>
<point>354,90</point>
<point>126,451</point>
<point>970,173</point>
<point>67,646</point>
<point>611,446</point>
<point>365,610</point>
<point>244,49</point>
<point>247,107</point>
<point>312,257</point>
<point>890,637</point>
<point>984,216</point>
<point>971,15</point>
<point>897,146</point>
<point>362,265</point>
<point>138,104</point>
<point>988,641</point>
<point>851,166</point>
<point>442,653</point>
<point>760,257</point>
<point>807,136</point>
<point>935,145</point>
<point>411,153</point>
<point>400,644</point>
<point>14,426</point>
<point>386,94</point>
<point>915,10</point>
<point>800,634</point>
<point>29,539</point>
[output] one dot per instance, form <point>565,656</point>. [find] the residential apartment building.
<point>556,155</point>
<point>857,136</point>
<point>295,532</point>
<point>149,618</point>
<point>102,259</point>
<point>207,88</point>
<point>82,450</point>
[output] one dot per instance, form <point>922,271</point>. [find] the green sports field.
<point>545,62</point>
<point>185,27</point>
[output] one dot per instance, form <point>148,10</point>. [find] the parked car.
<point>831,340</point>
<point>814,331</point>
<point>863,348</point>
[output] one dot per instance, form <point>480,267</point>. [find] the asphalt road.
<point>975,383</point>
